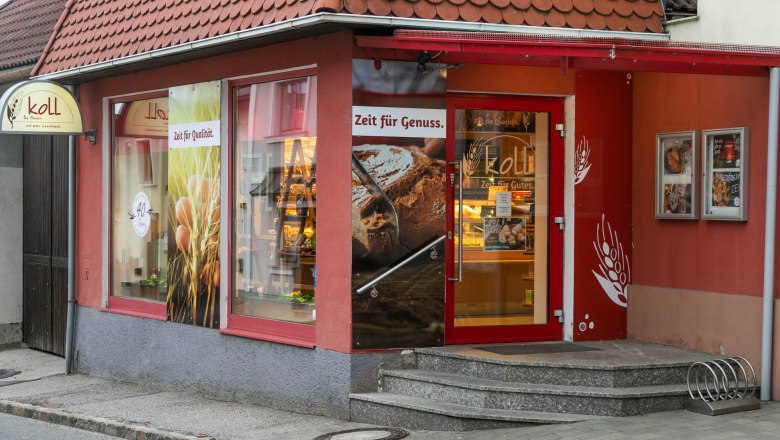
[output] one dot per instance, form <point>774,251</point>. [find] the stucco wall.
<point>727,21</point>
<point>728,325</point>
<point>159,353</point>
<point>697,284</point>
<point>704,255</point>
<point>10,238</point>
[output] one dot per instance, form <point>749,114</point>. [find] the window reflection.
<point>139,235</point>
<point>275,190</point>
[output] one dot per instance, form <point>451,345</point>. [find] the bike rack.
<point>722,386</point>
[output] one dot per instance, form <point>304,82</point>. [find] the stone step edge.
<point>480,384</point>
<point>93,424</point>
<point>469,412</point>
<point>544,364</point>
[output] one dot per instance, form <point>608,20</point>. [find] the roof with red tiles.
<point>99,30</point>
<point>25,28</point>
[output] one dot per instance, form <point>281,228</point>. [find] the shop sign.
<point>399,122</point>
<point>195,122</point>
<point>147,118</point>
<point>40,107</point>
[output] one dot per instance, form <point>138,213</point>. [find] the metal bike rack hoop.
<point>722,386</point>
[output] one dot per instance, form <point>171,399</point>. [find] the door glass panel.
<point>505,161</point>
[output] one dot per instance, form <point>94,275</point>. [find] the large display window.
<point>139,191</point>
<point>274,201</point>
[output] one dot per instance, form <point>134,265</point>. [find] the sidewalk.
<point>41,391</point>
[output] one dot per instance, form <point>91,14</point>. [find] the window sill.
<point>287,340</point>
<point>137,308</point>
<point>134,313</point>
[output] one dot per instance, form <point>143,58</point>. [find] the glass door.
<point>505,248</point>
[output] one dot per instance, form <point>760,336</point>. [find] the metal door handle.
<point>459,278</point>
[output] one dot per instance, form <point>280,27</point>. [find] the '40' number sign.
<point>141,214</point>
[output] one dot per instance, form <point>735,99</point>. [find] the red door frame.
<point>553,330</point>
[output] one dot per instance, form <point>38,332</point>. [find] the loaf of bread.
<point>414,183</point>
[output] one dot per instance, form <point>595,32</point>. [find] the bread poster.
<point>398,205</point>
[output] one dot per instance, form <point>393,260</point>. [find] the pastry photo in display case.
<point>676,176</point>
<point>725,156</point>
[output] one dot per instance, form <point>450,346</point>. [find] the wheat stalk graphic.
<point>472,156</point>
<point>581,164</point>
<point>12,110</point>
<point>614,274</point>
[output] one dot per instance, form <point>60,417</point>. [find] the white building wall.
<point>731,22</point>
<point>11,238</point>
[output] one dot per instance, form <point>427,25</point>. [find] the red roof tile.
<point>513,16</point>
<point>94,30</point>
<point>563,5</point>
<point>25,28</point>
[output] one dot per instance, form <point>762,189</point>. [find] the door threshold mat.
<point>509,350</point>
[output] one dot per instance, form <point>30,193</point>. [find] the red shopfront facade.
<point>356,200</point>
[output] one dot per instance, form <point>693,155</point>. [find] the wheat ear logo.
<point>472,157</point>
<point>582,161</point>
<point>614,270</point>
<point>12,109</point>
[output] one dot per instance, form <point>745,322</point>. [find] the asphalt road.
<point>20,428</point>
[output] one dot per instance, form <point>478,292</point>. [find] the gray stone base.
<point>10,333</point>
<point>313,381</point>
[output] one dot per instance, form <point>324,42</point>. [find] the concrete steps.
<point>464,388</point>
<point>488,393</point>
<point>411,412</point>
<point>551,372</point>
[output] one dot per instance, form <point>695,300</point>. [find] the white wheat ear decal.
<point>614,274</point>
<point>582,163</point>
<point>472,157</point>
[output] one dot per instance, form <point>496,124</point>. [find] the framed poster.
<point>505,234</point>
<point>725,162</point>
<point>676,172</point>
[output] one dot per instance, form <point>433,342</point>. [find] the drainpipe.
<point>769,235</point>
<point>69,322</point>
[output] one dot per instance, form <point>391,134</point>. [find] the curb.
<point>93,424</point>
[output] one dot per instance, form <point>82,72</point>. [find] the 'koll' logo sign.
<point>40,107</point>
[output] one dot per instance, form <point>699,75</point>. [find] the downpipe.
<point>70,318</point>
<point>769,236</point>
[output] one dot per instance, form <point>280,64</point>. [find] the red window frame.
<point>116,304</point>
<point>290,333</point>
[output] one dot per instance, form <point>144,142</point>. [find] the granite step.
<point>490,393</point>
<point>412,412</point>
<point>514,369</point>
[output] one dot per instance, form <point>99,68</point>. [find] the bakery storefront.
<point>453,195</point>
<point>315,205</point>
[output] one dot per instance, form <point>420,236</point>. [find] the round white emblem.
<point>141,214</point>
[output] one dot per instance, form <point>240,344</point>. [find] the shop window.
<point>139,232</point>
<point>274,201</point>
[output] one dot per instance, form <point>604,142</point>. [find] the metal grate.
<point>509,350</point>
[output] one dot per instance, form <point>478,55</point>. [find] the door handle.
<point>459,278</point>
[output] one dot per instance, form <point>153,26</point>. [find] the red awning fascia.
<point>586,53</point>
